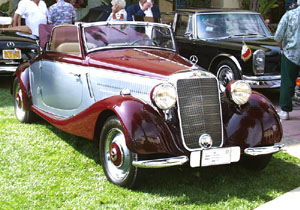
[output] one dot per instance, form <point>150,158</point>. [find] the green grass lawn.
<point>42,167</point>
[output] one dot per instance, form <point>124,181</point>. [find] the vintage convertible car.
<point>123,84</point>
<point>17,45</point>
<point>217,37</point>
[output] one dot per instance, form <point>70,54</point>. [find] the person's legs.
<point>289,74</point>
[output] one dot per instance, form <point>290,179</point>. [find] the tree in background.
<point>261,6</point>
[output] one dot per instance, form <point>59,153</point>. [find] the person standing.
<point>118,12</point>
<point>290,4</point>
<point>288,37</point>
<point>144,8</point>
<point>17,19</point>
<point>61,13</point>
<point>35,13</point>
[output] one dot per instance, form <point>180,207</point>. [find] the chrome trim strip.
<point>89,84</point>
<point>161,163</point>
<point>255,151</point>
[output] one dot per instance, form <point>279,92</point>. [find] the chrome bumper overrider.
<point>254,151</point>
<point>263,81</point>
<point>161,163</point>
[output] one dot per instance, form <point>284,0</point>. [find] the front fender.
<point>218,58</point>
<point>145,129</point>
<point>253,124</point>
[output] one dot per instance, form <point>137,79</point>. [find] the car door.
<point>61,86</point>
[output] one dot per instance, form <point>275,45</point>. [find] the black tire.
<point>23,114</point>
<point>115,157</point>
<point>226,72</point>
<point>256,163</point>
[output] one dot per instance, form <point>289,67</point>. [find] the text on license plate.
<point>217,156</point>
<point>11,54</point>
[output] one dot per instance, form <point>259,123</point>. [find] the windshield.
<point>230,25</point>
<point>128,35</point>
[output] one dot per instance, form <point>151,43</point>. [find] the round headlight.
<point>164,96</point>
<point>240,92</point>
<point>259,62</point>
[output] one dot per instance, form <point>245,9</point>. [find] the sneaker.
<point>284,115</point>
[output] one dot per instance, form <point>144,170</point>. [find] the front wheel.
<point>256,163</point>
<point>22,113</point>
<point>115,157</point>
<point>226,72</point>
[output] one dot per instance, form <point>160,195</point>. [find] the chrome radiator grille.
<point>199,111</point>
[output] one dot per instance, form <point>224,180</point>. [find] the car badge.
<point>10,44</point>
<point>205,141</point>
<point>194,59</point>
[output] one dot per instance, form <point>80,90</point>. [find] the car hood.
<point>149,62</point>
<point>268,45</point>
<point>16,36</point>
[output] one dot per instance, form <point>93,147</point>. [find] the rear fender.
<point>22,73</point>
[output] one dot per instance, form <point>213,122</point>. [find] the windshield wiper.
<point>246,34</point>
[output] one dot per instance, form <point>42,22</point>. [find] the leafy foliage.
<point>266,6</point>
<point>4,7</point>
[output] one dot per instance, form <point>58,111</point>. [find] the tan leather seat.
<point>69,47</point>
<point>64,38</point>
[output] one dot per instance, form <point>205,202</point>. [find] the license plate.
<point>216,157</point>
<point>11,54</point>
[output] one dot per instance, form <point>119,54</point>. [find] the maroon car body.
<point>124,85</point>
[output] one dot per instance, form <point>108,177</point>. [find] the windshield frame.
<point>131,23</point>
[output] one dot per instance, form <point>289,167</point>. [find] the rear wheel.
<point>116,158</point>
<point>256,163</point>
<point>22,114</point>
<point>227,72</point>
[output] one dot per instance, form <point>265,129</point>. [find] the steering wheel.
<point>144,40</point>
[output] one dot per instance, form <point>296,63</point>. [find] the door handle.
<point>76,75</point>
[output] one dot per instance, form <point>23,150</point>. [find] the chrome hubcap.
<point>19,106</point>
<point>225,75</point>
<point>118,156</point>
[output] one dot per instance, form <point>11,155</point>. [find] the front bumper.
<point>255,151</point>
<point>161,163</point>
<point>7,69</point>
<point>196,156</point>
<point>263,81</point>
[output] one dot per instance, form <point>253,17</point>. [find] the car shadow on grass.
<point>80,144</point>
<point>219,183</point>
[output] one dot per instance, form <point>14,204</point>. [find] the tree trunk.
<point>254,5</point>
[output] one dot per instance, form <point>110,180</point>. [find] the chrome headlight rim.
<point>259,60</point>
<point>240,92</point>
<point>164,96</point>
